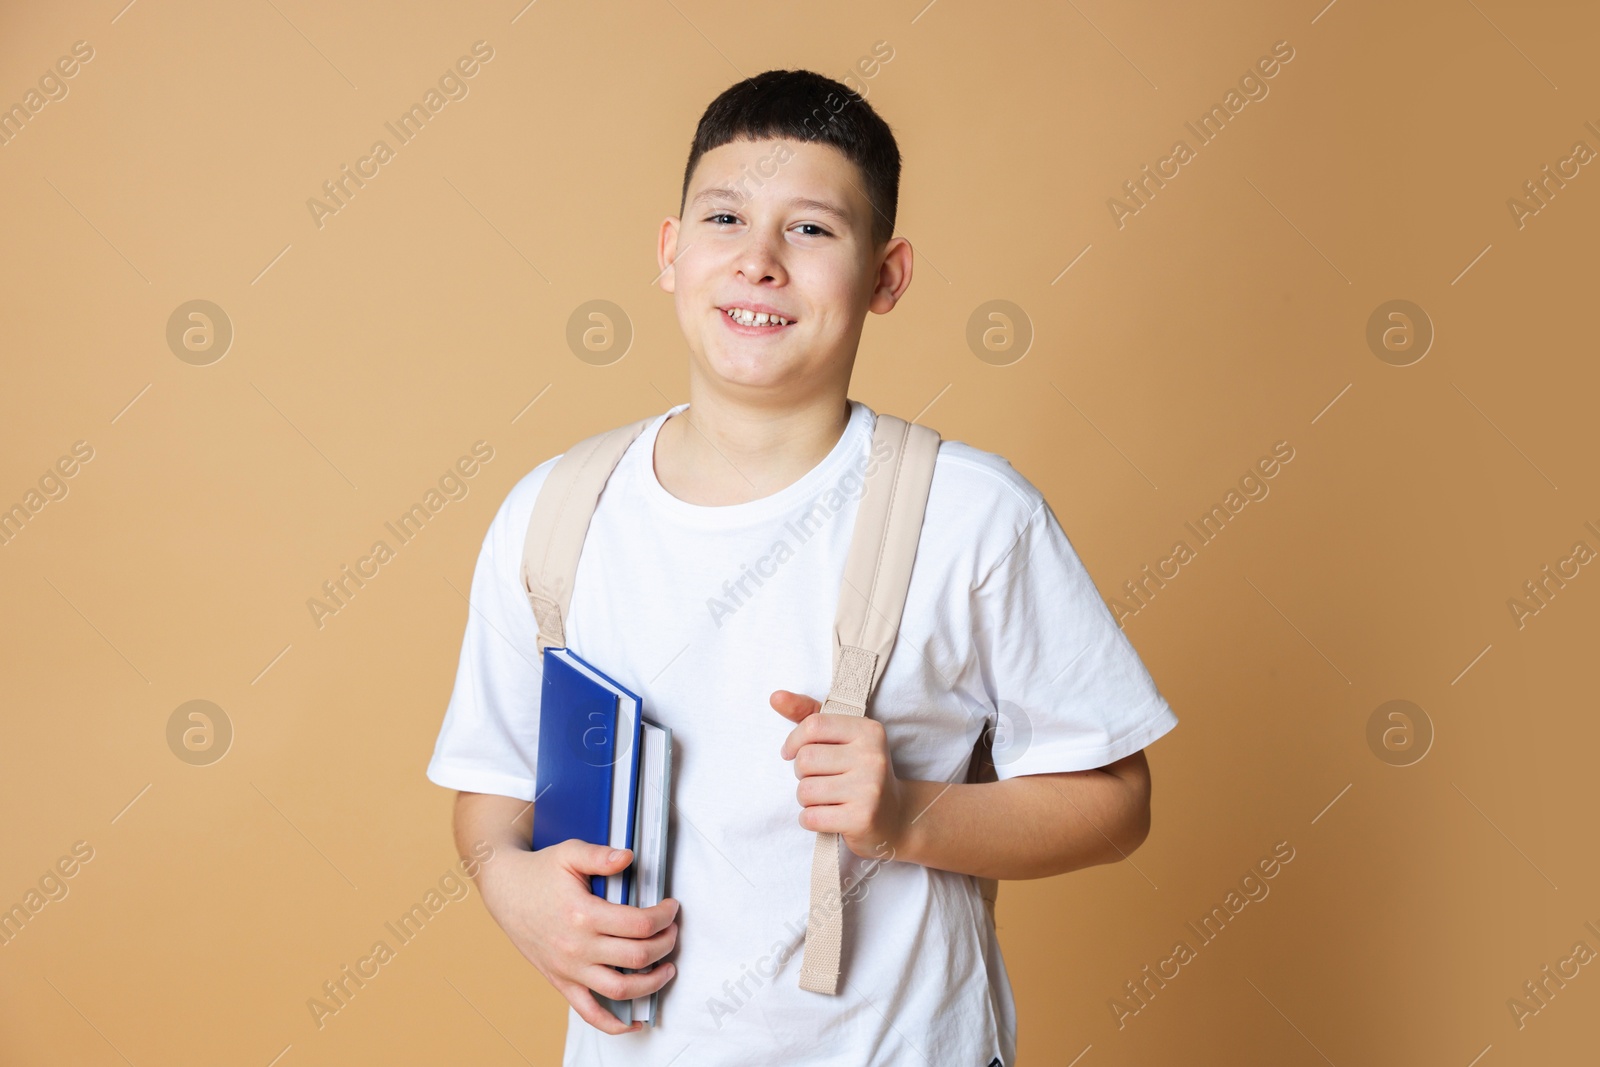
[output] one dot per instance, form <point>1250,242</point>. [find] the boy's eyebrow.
<point>820,206</point>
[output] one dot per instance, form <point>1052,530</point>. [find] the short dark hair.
<point>805,106</point>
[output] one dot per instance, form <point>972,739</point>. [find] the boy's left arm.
<point>1028,826</point>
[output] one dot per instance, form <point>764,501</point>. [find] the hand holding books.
<point>578,940</point>
<point>603,781</point>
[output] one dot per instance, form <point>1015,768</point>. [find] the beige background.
<point>426,315</point>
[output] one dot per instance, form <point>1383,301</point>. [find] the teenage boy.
<point>708,585</point>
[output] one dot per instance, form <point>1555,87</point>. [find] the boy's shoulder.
<point>979,506</point>
<point>509,527</point>
<point>973,477</point>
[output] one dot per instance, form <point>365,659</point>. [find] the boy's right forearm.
<point>503,823</point>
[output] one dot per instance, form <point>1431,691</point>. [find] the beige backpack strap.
<point>560,520</point>
<point>876,576</point>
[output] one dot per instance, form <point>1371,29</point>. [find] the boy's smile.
<point>773,268</point>
<point>761,317</point>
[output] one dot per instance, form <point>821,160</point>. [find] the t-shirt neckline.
<point>852,442</point>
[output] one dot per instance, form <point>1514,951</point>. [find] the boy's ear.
<point>894,276</point>
<point>667,252</point>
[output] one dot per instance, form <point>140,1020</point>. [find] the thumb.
<point>794,706</point>
<point>584,858</point>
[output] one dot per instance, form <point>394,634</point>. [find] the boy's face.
<point>748,239</point>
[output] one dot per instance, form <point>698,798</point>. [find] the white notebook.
<point>650,837</point>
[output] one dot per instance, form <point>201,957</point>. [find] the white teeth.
<point>755,318</point>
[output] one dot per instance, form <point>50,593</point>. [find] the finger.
<point>794,706</point>
<point>612,983</point>
<point>625,920</point>
<point>827,789</point>
<point>632,953</point>
<point>590,1011</point>
<point>582,858</point>
<point>826,728</point>
<point>822,759</point>
<point>826,818</point>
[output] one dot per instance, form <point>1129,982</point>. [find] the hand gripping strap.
<point>559,522</point>
<point>877,575</point>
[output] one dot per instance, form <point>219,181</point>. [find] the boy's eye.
<point>820,232</point>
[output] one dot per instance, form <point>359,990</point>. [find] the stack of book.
<point>603,777</point>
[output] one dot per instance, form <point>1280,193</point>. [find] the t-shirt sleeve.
<point>489,741</point>
<point>1069,691</point>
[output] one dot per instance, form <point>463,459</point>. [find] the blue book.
<point>588,769</point>
<point>604,775</point>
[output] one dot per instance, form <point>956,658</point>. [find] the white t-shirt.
<point>703,612</point>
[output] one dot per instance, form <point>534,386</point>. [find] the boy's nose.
<point>758,260</point>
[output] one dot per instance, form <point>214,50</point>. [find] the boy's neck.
<point>719,451</point>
